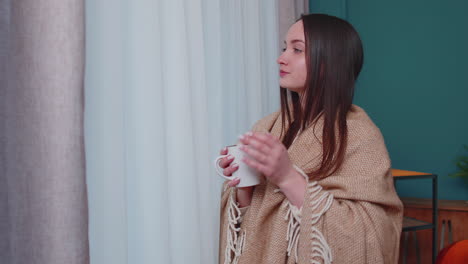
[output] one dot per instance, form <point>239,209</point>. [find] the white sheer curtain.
<point>168,83</point>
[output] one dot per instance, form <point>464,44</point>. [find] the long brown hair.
<point>334,58</point>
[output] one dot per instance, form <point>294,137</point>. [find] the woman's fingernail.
<point>230,157</point>
<point>235,165</point>
<point>249,133</point>
<point>224,149</point>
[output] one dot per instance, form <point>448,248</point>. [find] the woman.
<point>328,194</point>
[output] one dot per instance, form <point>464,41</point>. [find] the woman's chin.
<point>292,88</point>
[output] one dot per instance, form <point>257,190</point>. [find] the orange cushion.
<point>456,253</point>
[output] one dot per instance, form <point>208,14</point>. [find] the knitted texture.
<point>352,216</point>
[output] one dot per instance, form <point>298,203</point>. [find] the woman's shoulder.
<point>266,123</point>
<point>360,124</point>
<point>365,139</point>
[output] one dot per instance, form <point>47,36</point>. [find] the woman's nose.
<point>281,59</point>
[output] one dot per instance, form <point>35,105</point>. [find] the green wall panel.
<point>414,83</point>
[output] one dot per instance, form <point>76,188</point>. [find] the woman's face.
<point>292,62</point>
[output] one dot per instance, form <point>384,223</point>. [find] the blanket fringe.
<point>235,242</point>
<point>320,247</point>
<point>293,216</point>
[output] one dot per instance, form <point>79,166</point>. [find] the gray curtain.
<point>43,204</point>
<point>288,12</point>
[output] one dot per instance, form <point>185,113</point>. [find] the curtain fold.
<point>288,13</point>
<point>42,183</point>
<point>4,215</point>
<point>168,83</point>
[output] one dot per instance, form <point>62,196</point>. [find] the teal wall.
<point>414,83</point>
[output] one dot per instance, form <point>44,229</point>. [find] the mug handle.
<point>219,170</point>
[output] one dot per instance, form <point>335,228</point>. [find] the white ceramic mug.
<point>248,176</point>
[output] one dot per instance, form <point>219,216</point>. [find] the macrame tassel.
<point>239,247</point>
<point>235,243</point>
<point>320,248</point>
<point>293,216</point>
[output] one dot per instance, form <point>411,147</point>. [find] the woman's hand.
<point>229,167</point>
<point>244,194</point>
<point>270,157</point>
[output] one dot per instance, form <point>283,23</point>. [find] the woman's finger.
<point>264,138</point>
<point>256,165</point>
<point>231,169</point>
<point>223,151</point>
<point>259,146</point>
<point>234,182</point>
<point>226,161</point>
<point>255,154</point>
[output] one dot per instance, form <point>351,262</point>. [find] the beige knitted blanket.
<point>352,216</point>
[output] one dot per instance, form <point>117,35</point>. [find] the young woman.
<point>328,194</point>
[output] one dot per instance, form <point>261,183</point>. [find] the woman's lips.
<point>283,73</point>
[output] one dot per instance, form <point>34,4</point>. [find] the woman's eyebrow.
<point>294,41</point>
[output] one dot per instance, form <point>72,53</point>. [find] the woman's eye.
<point>295,50</point>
